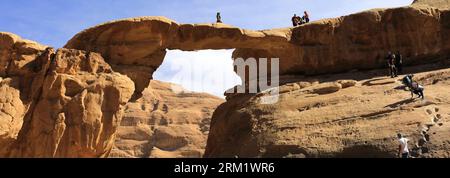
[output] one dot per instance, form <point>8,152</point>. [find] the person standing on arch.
<point>219,18</point>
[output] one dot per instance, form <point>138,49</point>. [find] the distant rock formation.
<point>167,122</point>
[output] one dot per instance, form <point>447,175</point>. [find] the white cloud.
<point>209,71</point>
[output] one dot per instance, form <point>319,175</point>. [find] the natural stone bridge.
<point>137,46</point>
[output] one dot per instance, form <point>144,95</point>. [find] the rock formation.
<point>136,47</point>
<point>22,63</point>
<point>69,101</point>
<point>441,4</point>
<point>167,122</point>
<point>358,117</point>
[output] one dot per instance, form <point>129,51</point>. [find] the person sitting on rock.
<point>295,21</point>
<point>298,20</point>
<point>403,151</point>
<point>398,62</point>
<point>391,63</point>
<point>219,18</point>
<point>301,21</point>
<point>306,17</point>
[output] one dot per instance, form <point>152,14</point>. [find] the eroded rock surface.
<point>65,103</point>
<point>442,4</point>
<point>326,120</point>
<point>167,122</point>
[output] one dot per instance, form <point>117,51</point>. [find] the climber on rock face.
<point>391,63</point>
<point>414,87</point>
<point>219,18</point>
<point>418,90</point>
<point>403,150</point>
<point>407,80</point>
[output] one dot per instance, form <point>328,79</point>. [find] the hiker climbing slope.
<point>403,150</point>
<point>414,87</point>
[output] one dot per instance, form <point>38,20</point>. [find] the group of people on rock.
<point>297,20</point>
<point>395,63</point>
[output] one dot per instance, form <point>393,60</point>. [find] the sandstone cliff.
<point>326,116</point>
<point>17,72</point>
<point>441,4</point>
<point>66,103</point>
<point>167,122</point>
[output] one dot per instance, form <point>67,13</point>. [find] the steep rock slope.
<point>330,117</point>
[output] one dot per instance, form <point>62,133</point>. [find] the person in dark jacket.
<point>391,63</point>
<point>219,17</point>
<point>398,62</point>
<point>413,86</point>
<point>306,17</point>
<point>295,20</point>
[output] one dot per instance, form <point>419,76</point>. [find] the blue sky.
<point>54,22</point>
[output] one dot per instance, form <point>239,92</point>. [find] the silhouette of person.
<point>306,17</point>
<point>219,17</point>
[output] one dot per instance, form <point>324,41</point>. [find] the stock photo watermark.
<point>257,76</point>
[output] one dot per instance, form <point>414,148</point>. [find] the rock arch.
<point>137,46</point>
